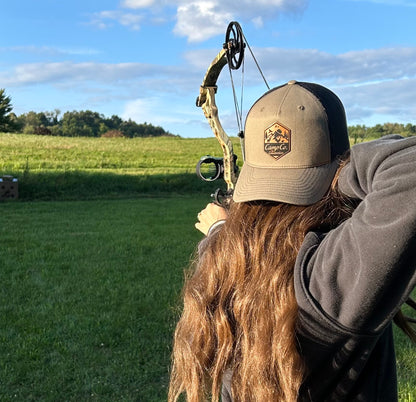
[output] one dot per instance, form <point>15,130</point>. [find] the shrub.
<point>112,134</point>
<point>42,131</point>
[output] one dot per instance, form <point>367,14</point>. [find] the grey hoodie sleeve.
<point>358,275</point>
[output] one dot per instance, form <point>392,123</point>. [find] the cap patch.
<point>277,139</point>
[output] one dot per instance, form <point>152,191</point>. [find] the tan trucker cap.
<point>293,136</point>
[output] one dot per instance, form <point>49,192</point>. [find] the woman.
<point>295,286</point>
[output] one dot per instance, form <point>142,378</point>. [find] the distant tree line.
<point>72,124</point>
<point>92,124</point>
<point>360,132</point>
<point>84,123</point>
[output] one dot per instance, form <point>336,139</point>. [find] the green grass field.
<point>60,168</point>
<point>88,297</point>
<point>92,258</point>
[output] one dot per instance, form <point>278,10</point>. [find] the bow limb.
<point>206,100</point>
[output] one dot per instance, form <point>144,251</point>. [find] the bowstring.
<point>239,107</point>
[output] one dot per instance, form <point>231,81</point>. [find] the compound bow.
<point>231,54</point>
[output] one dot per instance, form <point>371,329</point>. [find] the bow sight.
<point>210,168</point>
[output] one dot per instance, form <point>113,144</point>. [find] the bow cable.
<point>255,60</point>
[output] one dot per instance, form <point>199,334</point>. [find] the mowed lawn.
<point>89,295</point>
<point>92,258</point>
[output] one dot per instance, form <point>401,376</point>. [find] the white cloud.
<point>393,99</point>
<point>142,110</point>
<point>370,83</point>
<point>347,68</point>
<point>54,73</point>
<point>200,20</point>
<point>168,113</point>
<point>105,19</point>
<point>278,64</point>
<point>258,22</point>
<point>50,50</point>
<point>157,110</point>
<point>250,7</point>
<point>196,20</point>
<point>137,3</point>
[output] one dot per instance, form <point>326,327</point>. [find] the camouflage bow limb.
<point>232,54</point>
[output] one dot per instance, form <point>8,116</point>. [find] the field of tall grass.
<point>92,256</point>
<point>51,168</point>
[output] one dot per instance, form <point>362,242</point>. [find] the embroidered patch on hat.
<point>277,140</point>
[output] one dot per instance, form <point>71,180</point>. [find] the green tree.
<point>52,117</point>
<point>409,129</point>
<point>113,123</point>
<point>6,122</point>
<point>32,121</point>
<point>357,132</point>
<point>131,129</point>
<point>82,124</point>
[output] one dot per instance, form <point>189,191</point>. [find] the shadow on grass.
<point>84,185</point>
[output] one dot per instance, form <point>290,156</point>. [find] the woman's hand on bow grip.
<point>211,214</point>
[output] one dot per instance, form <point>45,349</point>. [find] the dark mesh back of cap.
<point>337,122</point>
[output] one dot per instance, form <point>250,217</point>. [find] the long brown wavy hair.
<point>240,310</point>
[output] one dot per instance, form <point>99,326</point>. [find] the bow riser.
<point>206,100</point>
<point>210,110</point>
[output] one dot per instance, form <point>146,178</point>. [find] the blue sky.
<point>145,59</point>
